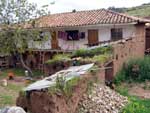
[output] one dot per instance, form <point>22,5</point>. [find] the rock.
<point>102,99</point>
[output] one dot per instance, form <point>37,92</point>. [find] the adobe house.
<point>82,29</point>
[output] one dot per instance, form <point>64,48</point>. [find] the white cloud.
<point>69,5</point>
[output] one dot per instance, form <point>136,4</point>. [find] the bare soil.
<point>141,90</point>
<point>46,102</point>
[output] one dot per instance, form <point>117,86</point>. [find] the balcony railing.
<point>108,42</point>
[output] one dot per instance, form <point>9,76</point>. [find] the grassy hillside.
<point>140,11</point>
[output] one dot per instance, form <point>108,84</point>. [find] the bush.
<point>101,58</point>
<point>137,105</point>
<point>65,87</point>
<point>59,58</point>
<point>69,85</point>
<point>135,70</point>
<point>80,53</point>
<point>92,52</point>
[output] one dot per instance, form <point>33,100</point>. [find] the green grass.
<point>127,75</point>
<point>59,58</point>
<point>97,55</point>
<point>14,87</point>
<point>92,52</point>
<point>9,94</point>
<point>142,11</point>
<point>101,58</point>
<point>136,104</point>
<point>6,100</point>
<point>18,72</point>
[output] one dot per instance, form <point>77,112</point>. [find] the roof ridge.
<point>128,16</point>
<point>122,14</point>
<point>76,12</point>
<point>102,9</point>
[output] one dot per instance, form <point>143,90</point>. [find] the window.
<point>116,34</point>
<point>72,35</point>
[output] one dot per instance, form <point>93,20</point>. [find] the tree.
<point>120,10</point>
<point>14,36</point>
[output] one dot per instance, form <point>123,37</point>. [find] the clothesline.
<point>71,35</point>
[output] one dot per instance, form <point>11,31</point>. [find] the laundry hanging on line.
<point>71,35</point>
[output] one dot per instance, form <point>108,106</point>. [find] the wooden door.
<point>148,38</point>
<point>109,72</point>
<point>93,37</point>
<point>54,41</point>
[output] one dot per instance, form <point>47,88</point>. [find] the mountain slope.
<point>140,11</point>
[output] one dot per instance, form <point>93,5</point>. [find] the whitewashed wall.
<point>46,44</point>
<point>76,44</point>
<point>104,34</point>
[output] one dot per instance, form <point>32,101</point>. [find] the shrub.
<point>135,70</point>
<point>80,53</point>
<point>60,83</point>
<point>64,87</point>
<point>92,52</point>
<point>137,105</point>
<point>101,58</point>
<point>59,58</point>
<point>69,85</point>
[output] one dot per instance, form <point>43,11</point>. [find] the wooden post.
<point>54,40</point>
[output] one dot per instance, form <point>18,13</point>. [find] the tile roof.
<point>91,17</point>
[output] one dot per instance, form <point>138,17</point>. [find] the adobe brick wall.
<point>130,49</point>
<point>46,102</point>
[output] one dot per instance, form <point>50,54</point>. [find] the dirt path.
<point>141,90</point>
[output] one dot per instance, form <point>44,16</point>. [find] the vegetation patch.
<point>64,87</point>
<point>6,100</point>
<point>135,70</point>
<point>9,94</point>
<point>140,11</point>
<point>136,104</point>
<point>59,58</point>
<point>19,72</point>
<point>82,56</point>
<point>92,52</point>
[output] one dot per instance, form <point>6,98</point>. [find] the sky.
<point>69,5</point>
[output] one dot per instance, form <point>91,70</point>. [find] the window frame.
<point>116,34</point>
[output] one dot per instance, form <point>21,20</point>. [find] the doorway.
<point>93,37</point>
<point>147,39</point>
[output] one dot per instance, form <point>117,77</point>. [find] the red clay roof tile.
<point>91,17</point>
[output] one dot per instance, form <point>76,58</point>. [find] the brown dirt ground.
<point>141,90</point>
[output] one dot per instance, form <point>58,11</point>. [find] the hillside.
<point>140,11</point>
